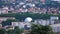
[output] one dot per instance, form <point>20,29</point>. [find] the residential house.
<point>56,27</point>
<point>5,18</point>
<point>20,24</point>
<point>4,10</point>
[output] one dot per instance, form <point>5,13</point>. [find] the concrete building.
<point>20,24</point>
<point>5,18</point>
<point>56,27</point>
<point>4,10</point>
<point>54,24</point>
<point>42,22</point>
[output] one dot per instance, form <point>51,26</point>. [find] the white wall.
<point>56,27</point>
<point>20,24</point>
<point>42,22</point>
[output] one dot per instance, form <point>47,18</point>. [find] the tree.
<point>17,30</point>
<point>40,29</point>
<point>22,16</point>
<point>2,31</point>
<point>10,32</point>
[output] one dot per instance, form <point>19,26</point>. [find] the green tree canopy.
<point>2,31</point>
<point>40,29</point>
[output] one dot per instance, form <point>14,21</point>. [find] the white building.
<point>42,22</point>
<point>55,0</point>
<point>5,18</point>
<point>54,18</point>
<point>56,27</point>
<point>20,24</point>
<point>4,10</point>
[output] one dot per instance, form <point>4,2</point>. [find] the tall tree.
<point>40,29</point>
<point>2,31</point>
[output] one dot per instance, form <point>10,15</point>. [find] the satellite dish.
<point>28,19</point>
